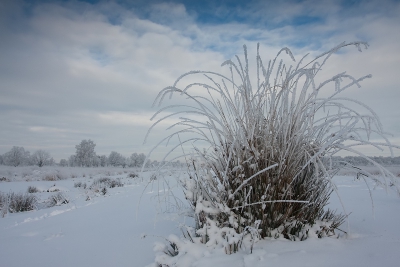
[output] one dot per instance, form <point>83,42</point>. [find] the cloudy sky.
<point>74,70</point>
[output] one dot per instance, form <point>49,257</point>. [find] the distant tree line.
<point>360,161</point>
<point>85,156</point>
<point>18,156</point>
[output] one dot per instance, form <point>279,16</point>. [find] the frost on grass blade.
<point>262,156</point>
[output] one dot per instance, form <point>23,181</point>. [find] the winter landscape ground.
<point>111,228</point>
<point>260,133</point>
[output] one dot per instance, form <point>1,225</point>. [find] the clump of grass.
<point>103,191</point>
<point>99,184</point>
<point>133,175</point>
<point>80,185</point>
<point>17,202</point>
<point>53,175</point>
<point>33,189</point>
<point>57,200</point>
<point>50,177</point>
<point>111,183</point>
<point>264,151</point>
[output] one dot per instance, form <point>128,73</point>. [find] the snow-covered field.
<point>112,230</point>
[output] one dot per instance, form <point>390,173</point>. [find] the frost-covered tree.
<point>63,163</point>
<point>72,161</point>
<point>133,159</point>
<point>85,153</point>
<point>103,160</point>
<point>16,156</point>
<point>41,158</point>
<point>115,159</point>
<point>96,161</point>
<point>125,161</point>
<point>137,160</point>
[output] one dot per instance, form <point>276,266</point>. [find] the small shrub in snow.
<point>54,188</point>
<point>99,184</point>
<point>57,200</point>
<point>110,183</point>
<point>17,202</point>
<point>3,198</point>
<point>133,175</point>
<point>172,249</point>
<point>3,179</point>
<point>50,177</point>
<point>264,152</point>
<point>80,184</point>
<point>33,189</point>
<point>104,191</point>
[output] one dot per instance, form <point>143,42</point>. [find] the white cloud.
<point>130,119</point>
<point>79,66</point>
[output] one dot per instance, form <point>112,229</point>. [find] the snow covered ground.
<point>109,230</point>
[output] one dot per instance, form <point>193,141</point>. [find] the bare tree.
<point>85,153</point>
<point>41,158</point>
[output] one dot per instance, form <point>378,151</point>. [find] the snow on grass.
<point>104,231</point>
<point>54,173</point>
<point>110,230</point>
<point>372,240</point>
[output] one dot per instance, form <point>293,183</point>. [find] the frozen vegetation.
<point>96,229</point>
<point>262,150</point>
<point>263,184</point>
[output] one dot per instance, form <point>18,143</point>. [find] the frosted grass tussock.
<point>262,151</point>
